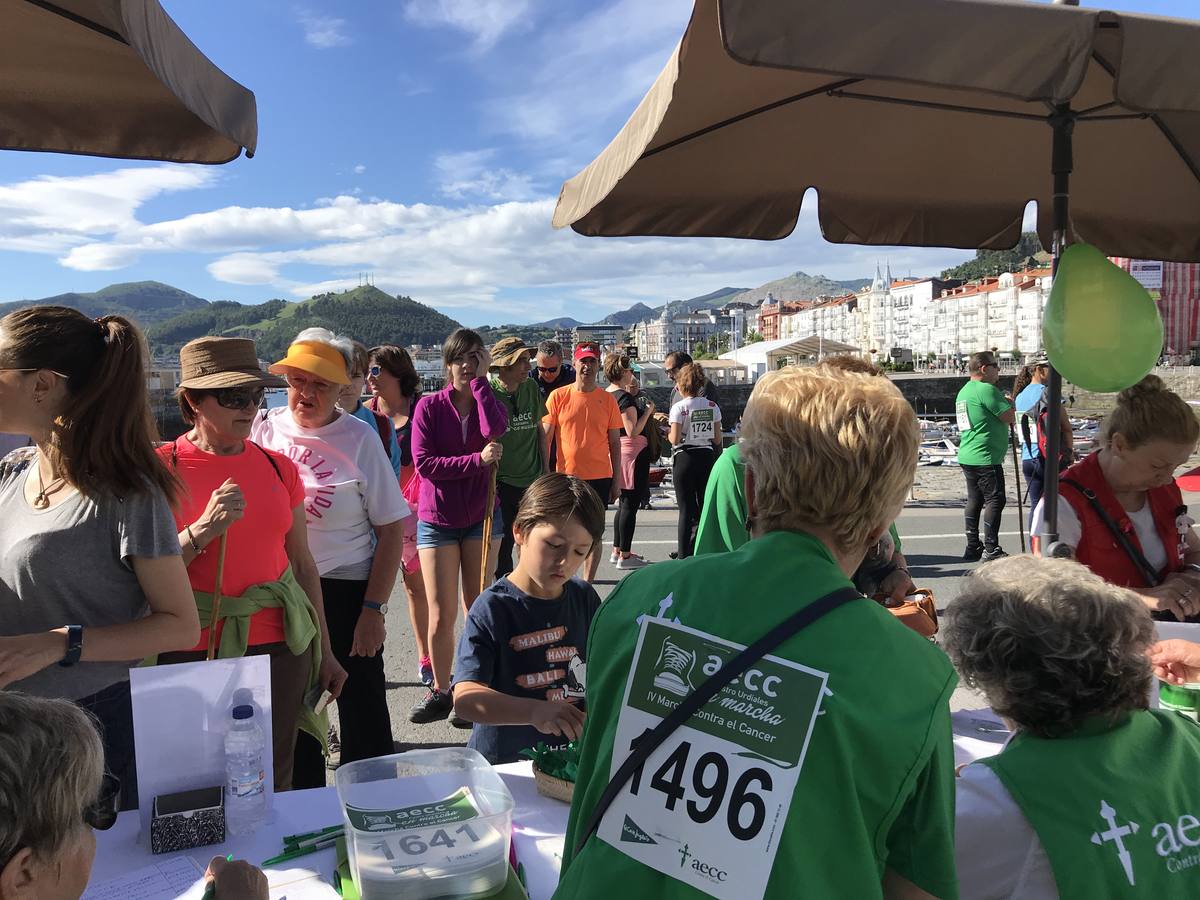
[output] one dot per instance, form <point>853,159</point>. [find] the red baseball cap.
<point>586,349</point>
<point>1190,480</point>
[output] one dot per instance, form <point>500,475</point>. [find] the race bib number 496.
<point>709,805</point>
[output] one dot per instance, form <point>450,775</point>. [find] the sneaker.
<point>425,671</point>
<point>973,554</point>
<point>674,554</point>
<point>989,555</point>
<point>615,557</point>
<point>632,561</point>
<point>433,706</point>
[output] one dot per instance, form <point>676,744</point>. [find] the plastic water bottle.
<point>245,776</point>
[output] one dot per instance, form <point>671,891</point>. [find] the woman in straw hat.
<point>250,499</point>
<point>90,574</point>
<point>355,515</point>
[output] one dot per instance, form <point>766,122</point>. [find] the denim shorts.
<point>436,536</point>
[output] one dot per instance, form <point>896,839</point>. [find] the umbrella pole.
<point>1062,121</point>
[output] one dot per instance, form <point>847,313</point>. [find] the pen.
<point>299,838</point>
<point>290,845</point>
<point>301,851</point>
<point>210,889</point>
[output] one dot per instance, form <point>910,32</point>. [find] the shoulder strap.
<point>1135,555</point>
<point>270,459</point>
<point>384,427</point>
<point>694,701</point>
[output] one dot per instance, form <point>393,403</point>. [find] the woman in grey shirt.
<point>91,579</point>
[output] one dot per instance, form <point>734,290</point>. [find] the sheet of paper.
<point>180,716</point>
<point>166,880</point>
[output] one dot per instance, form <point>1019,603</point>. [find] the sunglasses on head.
<point>239,397</point>
<point>101,813</point>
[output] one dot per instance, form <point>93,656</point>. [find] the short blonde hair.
<point>830,451</point>
<point>51,768</point>
<point>1049,643</point>
<point>1147,411</point>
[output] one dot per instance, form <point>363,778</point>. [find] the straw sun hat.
<point>210,363</point>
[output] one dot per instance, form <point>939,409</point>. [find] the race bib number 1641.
<point>709,805</point>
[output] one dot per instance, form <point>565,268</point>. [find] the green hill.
<point>145,302</point>
<point>364,313</point>
<point>1027,254</point>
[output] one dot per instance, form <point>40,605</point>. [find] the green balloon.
<point>1101,329</point>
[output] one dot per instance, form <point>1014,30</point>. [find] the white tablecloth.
<point>538,828</point>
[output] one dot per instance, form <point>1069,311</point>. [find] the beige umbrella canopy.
<point>115,78</point>
<point>922,123</point>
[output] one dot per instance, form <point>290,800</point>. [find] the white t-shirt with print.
<point>1070,532</point>
<point>349,485</point>
<point>700,419</point>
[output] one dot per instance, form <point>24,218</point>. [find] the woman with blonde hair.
<point>1094,793</point>
<point>90,572</point>
<point>1121,512</point>
<point>811,768</point>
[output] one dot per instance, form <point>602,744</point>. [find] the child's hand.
<point>558,717</point>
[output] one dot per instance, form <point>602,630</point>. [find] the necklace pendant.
<point>41,501</point>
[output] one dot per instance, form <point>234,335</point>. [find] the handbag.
<point>691,704</point>
<point>917,611</point>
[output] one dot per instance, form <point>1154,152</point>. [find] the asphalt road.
<point>933,544</point>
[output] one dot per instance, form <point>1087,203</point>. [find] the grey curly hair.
<point>1050,644</point>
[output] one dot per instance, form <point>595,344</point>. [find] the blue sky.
<point>423,141</point>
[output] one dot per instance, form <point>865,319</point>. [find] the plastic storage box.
<point>426,824</point>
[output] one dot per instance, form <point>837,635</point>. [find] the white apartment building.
<point>658,337</point>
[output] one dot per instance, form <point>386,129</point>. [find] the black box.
<point>187,819</point>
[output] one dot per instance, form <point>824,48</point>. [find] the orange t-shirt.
<point>254,552</point>
<point>582,420</point>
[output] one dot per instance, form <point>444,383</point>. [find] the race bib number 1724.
<point>708,806</point>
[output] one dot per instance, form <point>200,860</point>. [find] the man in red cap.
<point>586,424</point>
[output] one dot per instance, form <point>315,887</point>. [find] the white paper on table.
<point>180,716</point>
<point>173,877</point>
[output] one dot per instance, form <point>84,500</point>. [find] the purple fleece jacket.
<point>454,479</point>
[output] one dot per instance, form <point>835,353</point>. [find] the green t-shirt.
<point>873,789</point>
<point>521,463</point>
<point>723,519</point>
<point>1115,807</point>
<point>983,438</point>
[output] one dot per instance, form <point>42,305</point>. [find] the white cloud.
<point>323,32</point>
<point>360,169</point>
<point>486,21</point>
<point>466,175</point>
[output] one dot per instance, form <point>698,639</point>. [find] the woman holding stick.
<point>250,499</point>
<point>90,572</point>
<point>455,450</point>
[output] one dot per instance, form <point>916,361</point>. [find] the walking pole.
<point>1012,433</point>
<point>488,514</point>
<point>216,604</point>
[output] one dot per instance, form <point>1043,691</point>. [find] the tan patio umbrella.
<point>115,78</point>
<point>921,123</point>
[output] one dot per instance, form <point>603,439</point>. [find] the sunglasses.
<point>303,382</point>
<point>239,397</point>
<point>101,813</point>
<point>374,371</point>
<point>549,369</point>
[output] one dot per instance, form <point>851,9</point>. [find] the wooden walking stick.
<point>1012,433</point>
<point>216,604</point>
<point>488,514</point>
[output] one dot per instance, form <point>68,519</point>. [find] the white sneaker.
<point>615,557</point>
<point>632,562</point>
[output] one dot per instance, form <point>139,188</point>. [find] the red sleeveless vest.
<point>1098,549</point>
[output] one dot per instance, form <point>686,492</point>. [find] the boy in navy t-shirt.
<point>520,670</point>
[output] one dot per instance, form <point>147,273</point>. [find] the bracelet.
<point>192,540</point>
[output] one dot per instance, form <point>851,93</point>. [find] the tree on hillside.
<point>994,262</point>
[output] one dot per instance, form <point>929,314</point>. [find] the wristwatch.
<point>74,646</point>
<point>380,608</point>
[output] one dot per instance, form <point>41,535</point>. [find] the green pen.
<point>297,842</point>
<point>210,889</point>
<point>301,838</point>
<point>301,851</point>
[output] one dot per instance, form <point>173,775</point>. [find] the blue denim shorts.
<point>436,536</point>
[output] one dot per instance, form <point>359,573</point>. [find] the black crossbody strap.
<point>696,700</point>
<point>1127,545</point>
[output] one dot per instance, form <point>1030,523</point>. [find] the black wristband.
<point>74,646</point>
